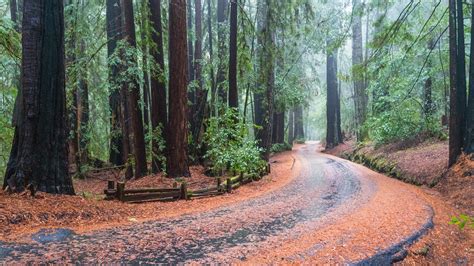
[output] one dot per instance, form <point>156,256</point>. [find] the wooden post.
<point>241,177</point>
<point>110,184</point>
<point>184,191</point>
<point>229,185</point>
<point>268,169</point>
<point>219,181</point>
<point>120,190</point>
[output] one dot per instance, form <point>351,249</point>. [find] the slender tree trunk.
<point>191,91</point>
<point>455,133</point>
<point>357,71</point>
<point>178,131</point>
<point>263,97</point>
<point>82,98</point>
<point>159,113</point>
<point>146,69</point>
<point>428,107</point>
<point>138,137</point>
<point>233,90</point>
<point>221,19</point>
<point>40,162</point>
<point>469,140</point>
<point>114,18</point>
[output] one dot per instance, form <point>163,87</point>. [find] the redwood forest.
<point>237,132</point>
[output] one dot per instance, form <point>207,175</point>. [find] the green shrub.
<point>229,145</point>
<point>280,147</point>
<point>462,221</point>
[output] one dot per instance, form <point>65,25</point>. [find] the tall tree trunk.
<point>263,97</point>
<point>357,70</point>
<point>211,57</point>
<point>332,132</point>
<point>146,69</point>
<point>40,162</point>
<point>159,114</point>
<point>82,98</point>
<point>233,90</point>
<point>201,93</point>
<point>455,132</point>
<point>114,25</point>
<point>191,91</point>
<point>221,19</point>
<point>138,137</point>
<point>469,139</point>
<point>178,123</point>
<point>278,135</point>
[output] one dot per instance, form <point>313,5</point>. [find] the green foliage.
<point>157,136</point>
<point>281,147</point>
<point>462,221</point>
<point>229,147</point>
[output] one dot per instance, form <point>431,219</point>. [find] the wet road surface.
<point>327,189</point>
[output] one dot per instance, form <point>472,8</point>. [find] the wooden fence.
<point>117,190</point>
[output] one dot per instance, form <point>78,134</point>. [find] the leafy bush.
<point>280,147</point>
<point>229,146</point>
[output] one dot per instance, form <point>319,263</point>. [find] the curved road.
<point>334,211</point>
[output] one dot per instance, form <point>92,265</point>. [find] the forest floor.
<point>21,215</point>
<point>424,163</point>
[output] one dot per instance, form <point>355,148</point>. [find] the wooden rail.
<point>138,195</point>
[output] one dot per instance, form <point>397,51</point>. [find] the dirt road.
<point>335,211</point>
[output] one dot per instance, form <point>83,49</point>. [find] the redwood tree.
<point>221,18</point>
<point>333,133</point>
<point>137,136</point>
<point>177,162</point>
<point>40,158</point>
<point>159,116</point>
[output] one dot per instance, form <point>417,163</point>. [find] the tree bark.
<point>263,96</point>
<point>454,122</point>
<point>40,162</point>
<point>137,137</point>
<point>146,69</point>
<point>159,113</point>
<point>114,25</point>
<point>178,131</point>
<point>332,112</point>
<point>233,90</point>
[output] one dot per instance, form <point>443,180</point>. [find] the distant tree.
<point>177,161</point>
<point>291,126</point>
<point>221,19</point>
<point>299,123</point>
<point>137,136</point>
<point>39,153</point>
<point>469,139</point>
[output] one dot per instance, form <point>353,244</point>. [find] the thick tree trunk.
<point>40,162</point>
<point>137,137</point>
<point>263,97</point>
<point>469,139</point>
<point>221,19</point>
<point>159,113</point>
<point>360,97</point>
<point>332,111</point>
<point>457,81</point>
<point>178,129</point>
<point>201,93</point>
<point>278,135</point>
<point>233,90</point>
<point>113,20</point>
